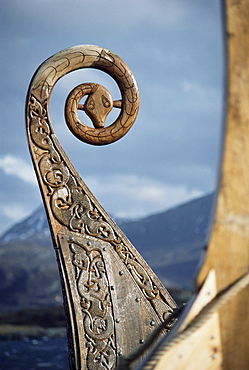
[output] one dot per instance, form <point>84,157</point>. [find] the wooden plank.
<point>234,326</point>
<point>201,348</point>
<point>187,356</point>
<point>228,251</point>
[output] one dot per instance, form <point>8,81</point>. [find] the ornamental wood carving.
<point>112,298</point>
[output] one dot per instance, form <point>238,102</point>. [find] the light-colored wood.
<point>228,251</point>
<point>206,294</point>
<point>202,348</point>
<point>234,326</point>
<point>187,355</point>
<point>226,315</point>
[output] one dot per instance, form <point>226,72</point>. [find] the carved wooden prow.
<point>113,299</point>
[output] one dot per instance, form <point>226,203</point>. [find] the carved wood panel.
<point>113,299</point>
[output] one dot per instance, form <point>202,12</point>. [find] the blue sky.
<point>175,50</point>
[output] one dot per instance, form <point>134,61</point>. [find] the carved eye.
<point>106,103</point>
<point>91,104</point>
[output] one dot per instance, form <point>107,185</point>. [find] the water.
<point>34,354</point>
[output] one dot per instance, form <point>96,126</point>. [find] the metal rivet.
<point>152,323</point>
<point>119,353</point>
<point>121,273</point>
<point>141,341</point>
<point>88,243</point>
<point>112,287</point>
<point>71,238</point>
<point>104,249</point>
<point>137,299</point>
<point>117,320</point>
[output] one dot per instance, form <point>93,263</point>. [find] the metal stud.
<point>121,272</point>
<point>104,249</point>
<point>137,299</point>
<point>152,323</point>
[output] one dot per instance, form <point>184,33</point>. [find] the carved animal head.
<point>98,105</point>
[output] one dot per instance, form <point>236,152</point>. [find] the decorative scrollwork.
<point>74,211</point>
<point>70,204</point>
<point>92,286</point>
<point>99,102</point>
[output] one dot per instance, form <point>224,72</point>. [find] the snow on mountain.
<point>33,228</point>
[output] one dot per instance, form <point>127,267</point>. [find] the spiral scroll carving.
<point>74,211</point>
<point>89,56</point>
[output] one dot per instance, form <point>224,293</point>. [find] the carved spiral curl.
<point>73,211</point>
<point>89,56</point>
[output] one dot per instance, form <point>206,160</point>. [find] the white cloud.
<point>132,196</point>
<point>17,167</point>
<point>162,45</point>
<point>15,211</point>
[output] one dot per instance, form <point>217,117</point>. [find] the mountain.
<point>171,242</point>
<point>33,229</point>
